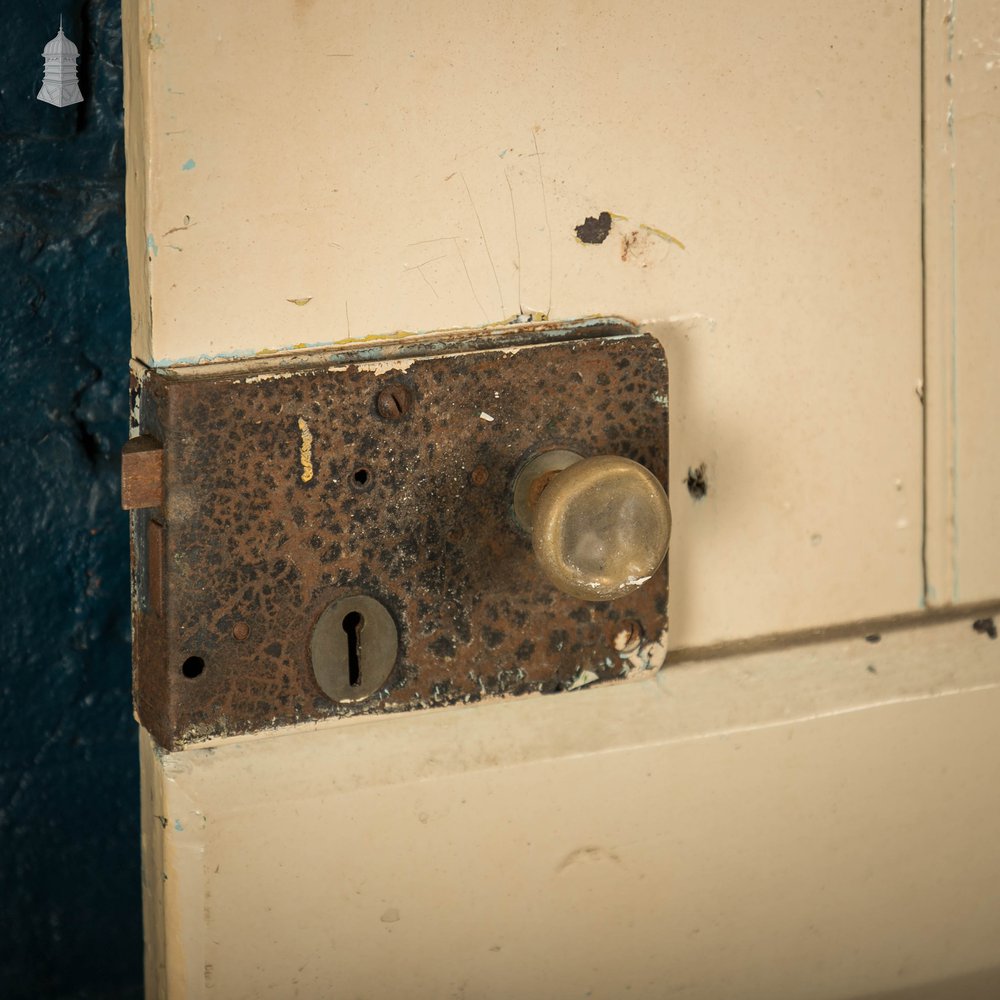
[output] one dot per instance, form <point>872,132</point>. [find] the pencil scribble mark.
<point>420,269</point>
<point>545,207</point>
<point>416,267</point>
<point>437,239</point>
<point>465,268</point>
<point>517,243</point>
<point>482,232</point>
<point>428,284</point>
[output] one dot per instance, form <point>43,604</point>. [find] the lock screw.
<point>625,636</point>
<point>394,402</point>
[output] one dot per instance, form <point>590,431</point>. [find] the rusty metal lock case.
<point>294,481</point>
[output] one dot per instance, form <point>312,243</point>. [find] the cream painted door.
<point>817,821</point>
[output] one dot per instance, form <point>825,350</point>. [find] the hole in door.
<point>353,624</point>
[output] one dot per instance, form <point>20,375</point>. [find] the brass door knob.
<point>600,527</point>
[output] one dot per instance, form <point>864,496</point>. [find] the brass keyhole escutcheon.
<point>353,648</point>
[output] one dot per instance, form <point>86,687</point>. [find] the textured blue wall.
<point>69,839</point>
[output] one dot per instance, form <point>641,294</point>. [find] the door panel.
<point>320,172</point>
<point>743,181</point>
<point>814,822</point>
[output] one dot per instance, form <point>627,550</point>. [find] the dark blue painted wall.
<point>69,841</point>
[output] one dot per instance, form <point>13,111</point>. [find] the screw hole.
<point>193,667</point>
<point>361,477</point>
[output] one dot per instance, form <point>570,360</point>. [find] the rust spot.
<point>629,240</point>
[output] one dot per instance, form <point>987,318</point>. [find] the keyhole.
<point>353,624</point>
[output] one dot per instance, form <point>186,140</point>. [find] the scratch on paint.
<point>305,452</point>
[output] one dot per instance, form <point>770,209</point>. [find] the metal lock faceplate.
<point>292,483</point>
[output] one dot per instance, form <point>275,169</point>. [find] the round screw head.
<point>480,474</point>
<point>626,635</point>
<point>394,402</point>
<point>241,631</point>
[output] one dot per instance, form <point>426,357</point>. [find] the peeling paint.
<point>305,452</point>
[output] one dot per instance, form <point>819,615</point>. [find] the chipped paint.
<point>381,367</point>
<point>625,642</point>
<point>305,452</point>
<point>301,302</point>
<point>389,341</point>
<point>582,679</point>
<point>485,416</point>
<point>189,165</point>
<point>251,379</point>
<point>647,657</point>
